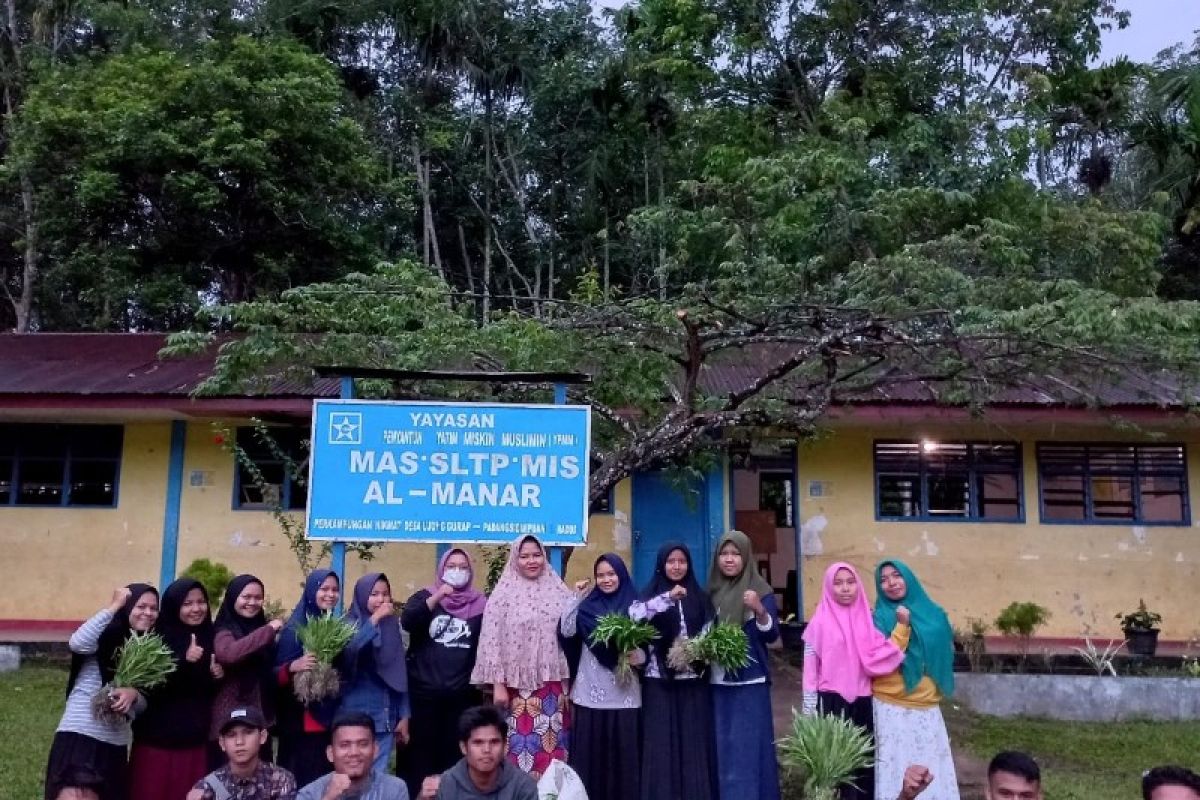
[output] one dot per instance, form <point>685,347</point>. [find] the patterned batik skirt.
<point>537,728</point>
<point>905,736</point>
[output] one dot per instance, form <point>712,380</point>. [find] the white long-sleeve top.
<point>78,716</point>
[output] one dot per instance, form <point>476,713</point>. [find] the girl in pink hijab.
<point>843,650</point>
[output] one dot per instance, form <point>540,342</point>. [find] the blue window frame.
<point>60,465</point>
<point>1113,483</point>
<point>948,481</point>
<point>277,469</point>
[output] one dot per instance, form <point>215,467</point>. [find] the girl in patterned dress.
<point>521,660</point>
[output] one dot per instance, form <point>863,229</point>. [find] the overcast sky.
<point>1155,26</point>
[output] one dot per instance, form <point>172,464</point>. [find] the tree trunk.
<point>23,303</point>
<point>429,238</point>
<point>23,309</point>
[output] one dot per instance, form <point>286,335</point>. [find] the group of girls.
<point>887,672</point>
<point>674,732</point>
<point>158,744</point>
<point>677,732</point>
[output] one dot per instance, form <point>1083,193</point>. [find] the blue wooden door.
<point>664,511</point>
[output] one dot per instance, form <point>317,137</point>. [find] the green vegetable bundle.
<point>623,635</point>
<point>724,645</point>
<point>143,662</point>
<point>827,751</point>
<point>325,637</point>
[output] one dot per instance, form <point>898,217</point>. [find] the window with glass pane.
<point>274,478</point>
<point>974,481</point>
<point>1117,483</point>
<point>59,465</point>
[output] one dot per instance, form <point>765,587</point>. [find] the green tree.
<point>164,182</point>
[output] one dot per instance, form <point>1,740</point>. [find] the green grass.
<point>1096,762</point>
<point>31,705</point>
<point>1083,760</point>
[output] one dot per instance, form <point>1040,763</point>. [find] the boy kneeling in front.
<point>352,753</point>
<point>483,773</point>
<point>244,775</point>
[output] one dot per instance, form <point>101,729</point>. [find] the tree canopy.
<point>812,199</point>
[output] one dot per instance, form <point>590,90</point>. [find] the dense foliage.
<point>733,213</point>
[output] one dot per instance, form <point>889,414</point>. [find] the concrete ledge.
<point>1083,698</point>
<point>10,657</point>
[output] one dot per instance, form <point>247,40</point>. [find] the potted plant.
<point>825,752</point>
<point>1021,620</point>
<point>1141,629</point>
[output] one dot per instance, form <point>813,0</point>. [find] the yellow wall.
<point>90,551</point>
<point>1085,574</point>
<point>64,563</point>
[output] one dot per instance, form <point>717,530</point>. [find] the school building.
<point>111,472</point>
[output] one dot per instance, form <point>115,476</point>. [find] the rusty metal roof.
<point>108,364</point>
<point>114,364</point>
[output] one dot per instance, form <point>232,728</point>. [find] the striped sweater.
<point>78,717</point>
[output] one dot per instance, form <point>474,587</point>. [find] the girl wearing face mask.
<point>678,758</point>
<point>245,648</point>
<point>843,651</point>
<point>377,682</point>
<point>89,755</point>
<point>746,763</point>
<point>170,739</point>
<point>520,657</point>
<point>443,621</point>
<point>303,730</point>
<point>606,734</point>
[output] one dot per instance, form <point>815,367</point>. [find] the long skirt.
<point>906,736</point>
<point>537,728</point>
<point>161,773</point>
<point>861,713</point>
<point>433,735</point>
<point>81,762</point>
<point>746,765</point>
<point>303,755</point>
<point>606,751</point>
<point>678,758</point>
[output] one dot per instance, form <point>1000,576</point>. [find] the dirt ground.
<point>786,695</point>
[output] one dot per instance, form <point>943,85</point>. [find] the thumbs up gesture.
<point>194,652</point>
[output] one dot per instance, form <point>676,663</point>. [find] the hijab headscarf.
<point>465,603</point>
<point>518,645</point>
<point>289,648</point>
<point>228,619</point>
<point>259,666</point>
<point>597,604</point>
<point>111,639</point>
<point>931,647</point>
<point>178,634</point>
<point>727,592</point>
<point>851,649</point>
<point>696,609</point>
<point>386,655</point>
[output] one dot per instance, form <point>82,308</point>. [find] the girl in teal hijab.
<point>931,647</point>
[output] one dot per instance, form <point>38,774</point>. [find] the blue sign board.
<point>448,472</point>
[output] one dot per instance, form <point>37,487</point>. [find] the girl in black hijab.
<point>678,761</point>
<point>244,645</point>
<point>89,753</point>
<point>169,740</point>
